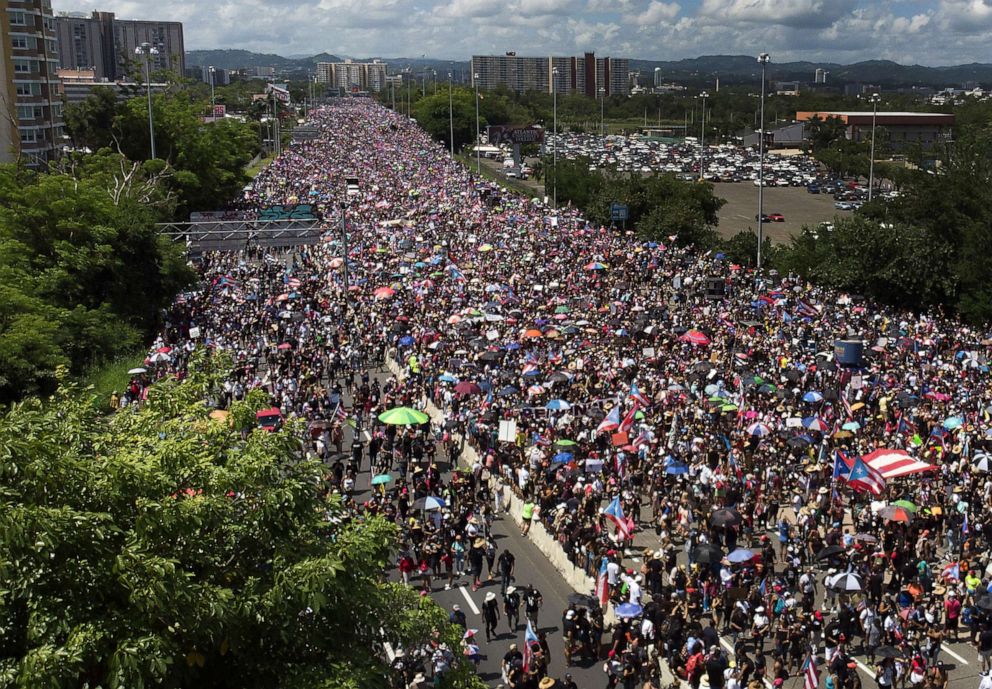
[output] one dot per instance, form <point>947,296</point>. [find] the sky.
<point>928,32</point>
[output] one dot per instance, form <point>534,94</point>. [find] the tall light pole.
<point>763,61</point>
<point>213,99</point>
<point>147,50</point>
<point>875,98</point>
<point>451,119</point>
<point>554,135</point>
<point>702,134</point>
<point>602,110</point>
<point>478,139</point>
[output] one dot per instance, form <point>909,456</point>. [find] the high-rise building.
<point>658,77</point>
<point>348,75</point>
<point>106,45</point>
<point>584,74</point>
<point>820,76</point>
<point>33,127</point>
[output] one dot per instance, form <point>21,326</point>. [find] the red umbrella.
<point>384,293</point>
<point>465,388</point>
<point>696,337</point>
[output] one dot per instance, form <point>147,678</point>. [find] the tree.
<point>163,548</point>
<point>432,113</point>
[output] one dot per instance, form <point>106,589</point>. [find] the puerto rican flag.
<point>842,466</point>
<point>863,477</point>
<point>806,309</point>
<point>603,584</point>
<point>951,572</point>
<point>628,420</point>
<point>529,367</point>
<point>340,414</point>
<point>529,638</point>
<point>614,512</point>
<point>892,463</point>
<point>637,396</point>
<point>811,678</point>
<point>610,422</point>
<point>455,273</point>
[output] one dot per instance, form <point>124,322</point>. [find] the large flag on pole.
<point>603,584</point>
<point>614,512</point>
<point>529,638</point>
<point>611,422</point>
<point>811,678</point>
<point>864,477</point>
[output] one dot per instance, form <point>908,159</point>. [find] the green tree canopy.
<point>161,547</point>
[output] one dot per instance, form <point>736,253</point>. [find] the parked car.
<point>269,419</point>
<point>843,206</point>
<point>813,189</point>
<point>776,217</point>
<point>764,217</point>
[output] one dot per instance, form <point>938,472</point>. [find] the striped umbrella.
<point>759,430</point>
<point>982,461</point>
<point>813,423</point>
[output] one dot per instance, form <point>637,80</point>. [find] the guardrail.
<point>233,235</point>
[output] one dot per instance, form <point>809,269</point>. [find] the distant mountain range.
<point>705,69</point>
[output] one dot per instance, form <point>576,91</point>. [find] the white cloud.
<point>658,12</point>
<point>799,13</point>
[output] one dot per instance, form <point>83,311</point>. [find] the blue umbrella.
<point>507,391</point>
<point>513,346</point>
<point>406,341</point>
<point>535,372</point>
<point>677,469</point>
<point>740,555</point>
<point>447,378</point>
<point>431,502</point>
<point>628,610</point>
<point>558,405</point>
<point>562,458</point>
<point>851,426</point>
<point>812,397</point>
<point>952,422</point>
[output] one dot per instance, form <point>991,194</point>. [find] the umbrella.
<point>466,388</point>
<point>984,602</point>
<point>565,442</point>
<point>403,416</point>
<point>695,337</point>
<point>952,422</point>
<point>724,517</point>
<point>812,423</point>
<point>888,652</point>
<point>759,430</point>
<point>562,458</point>
<point>158,357</point>
<point>707,553</point>
<point>558,405</point>
<point>381,479</point>
<point>431,502</point>
<point>447,378</point>
<point>384,293</point>
<point>982,461</point>
<point>406,341</point>
<point>583,600</point>
<point>740,555</point>
<point>595,265</point>
<point>906,504</point>
<point>866,538</point>
<point>845,581</point>
<point>628,610</point>
<point>851,426</point>
<point>507,390</point>
<point>136,371</point>
<point>533,332</point>
<point>894,513</point>
<point>829,552</point>
<point>677,469</point>
<point>812,397</point>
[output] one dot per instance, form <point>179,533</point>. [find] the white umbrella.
<point>158,357</point>
<point>844,582</point>
<point>136,371</point>
<point>982,461</point>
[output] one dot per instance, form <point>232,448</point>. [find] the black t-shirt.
<point>532,600</point>
<point>506,561</point>
<point>511,601</point>
<point>985,640</point>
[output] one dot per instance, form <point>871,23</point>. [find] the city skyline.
<point>927,32</point>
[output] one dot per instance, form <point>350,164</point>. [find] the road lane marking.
<point>468,599</point>
<point>945,649</point>
<point>864,668</point>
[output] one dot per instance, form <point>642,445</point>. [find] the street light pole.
<point>702,134</point>
<point>602,110</point>
<point>451,119</point>
<point>871,162</point>
<point>213,99</point>
<point>147,50</point>
<point>763,61</point>
<point>554,134</point>
<point>478,138</point>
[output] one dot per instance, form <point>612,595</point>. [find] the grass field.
<point>112,376</point>
<point>253,170</point>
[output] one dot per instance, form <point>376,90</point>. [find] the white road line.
<point>730,649</point>
<point>864,668</point>
<point>945,649</point>
<point>468,599</point>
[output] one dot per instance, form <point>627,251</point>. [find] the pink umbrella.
<point>695,337</point>
<point>384,293</point>
<point>284,346</point>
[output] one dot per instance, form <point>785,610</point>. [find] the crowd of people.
<point>680,425</point>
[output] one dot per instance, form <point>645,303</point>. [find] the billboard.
<point>515,135</point>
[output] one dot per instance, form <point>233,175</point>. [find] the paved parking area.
<point>797,205</point>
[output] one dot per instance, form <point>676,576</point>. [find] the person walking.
<point>505,564</point>
<point>532,605</point>
<point>511,606</point>
<point>490,615</point>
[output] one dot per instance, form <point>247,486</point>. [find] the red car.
<point>269,419</point>
<point>776,217</point>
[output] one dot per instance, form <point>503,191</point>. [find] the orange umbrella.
<point>533,332</point>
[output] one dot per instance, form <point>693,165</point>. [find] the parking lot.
<point>797,205</point>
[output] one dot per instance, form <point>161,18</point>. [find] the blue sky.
<point>931,32</point>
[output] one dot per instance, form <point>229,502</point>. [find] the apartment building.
<point>351,76</point>
<point>106,45</point>
<point>585,74</point>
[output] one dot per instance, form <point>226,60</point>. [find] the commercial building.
<point>32,127</point>
<point>902,128</point>
<point>585,74</point>
<point>353,76</point>
<point>820,76</point>
<point>106,45</point>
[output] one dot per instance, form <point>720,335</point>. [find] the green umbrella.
<point>565,442</point>
<point>381,479</point>
<point>717,400</point>
<point>907,504</point>
<point>728,407</point>
<point>561,309</point>
<point>639,415</point>
<point>403,416</point>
